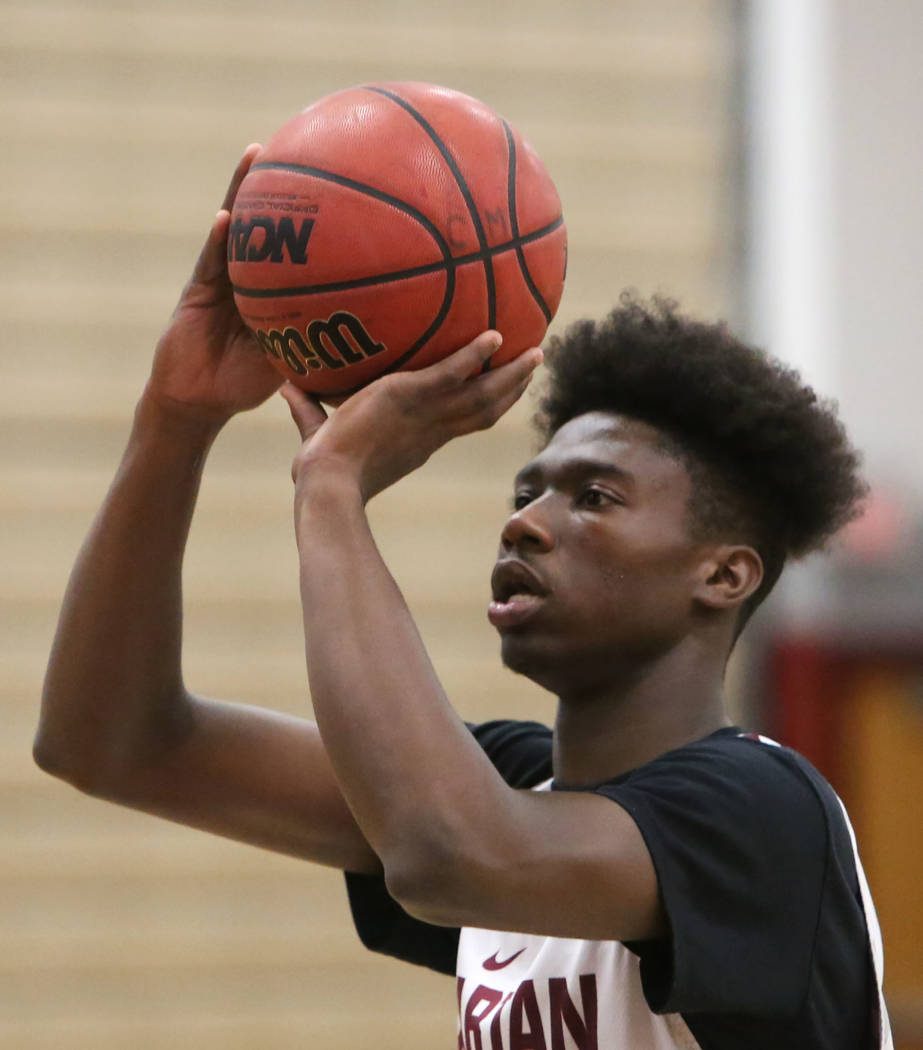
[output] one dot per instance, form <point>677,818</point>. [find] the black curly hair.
<point>770,463</point>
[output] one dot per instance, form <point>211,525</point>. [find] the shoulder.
<point>745,769</point>
<point>520,751</point>
<point>751,800</point>
<point>742,832</point>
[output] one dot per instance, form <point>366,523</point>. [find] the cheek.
<point>642,580</point>
<point>594,570</point>
<point>596,574</point>
<point>641,564</point>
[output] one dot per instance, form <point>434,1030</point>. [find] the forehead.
<point>626,445</point>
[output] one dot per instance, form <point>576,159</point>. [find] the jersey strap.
<point>885,1039</point>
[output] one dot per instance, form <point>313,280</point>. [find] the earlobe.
<point>730,577</point>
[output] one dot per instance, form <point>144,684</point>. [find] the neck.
<point>604,732</point>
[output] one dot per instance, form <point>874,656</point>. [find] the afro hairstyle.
<point>770,463</point>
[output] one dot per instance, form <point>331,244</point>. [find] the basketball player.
<point>646,876</point>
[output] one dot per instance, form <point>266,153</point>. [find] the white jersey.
<point>553,993</point>
<point>524,992</point>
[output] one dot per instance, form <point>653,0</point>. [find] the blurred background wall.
<point>833,227</point>
<point>120,124</point>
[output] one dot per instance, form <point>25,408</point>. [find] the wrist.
<point>327,496</point>
<point>172,419</point>
<point>326,481</point>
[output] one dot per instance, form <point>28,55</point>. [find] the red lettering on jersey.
<point>472,1024</point>
<point>496,1039</point>
<point>525,1007</point>
<point>524,1023</point>
<point>564,1012</point>
<point>459,985</point>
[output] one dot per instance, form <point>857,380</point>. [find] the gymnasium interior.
<point>759,162</point>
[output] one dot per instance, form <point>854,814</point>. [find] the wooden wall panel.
<point>120,122</point>
<point>883,743</point>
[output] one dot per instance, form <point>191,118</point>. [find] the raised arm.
<point>458,846</point>
<point>117,720</point>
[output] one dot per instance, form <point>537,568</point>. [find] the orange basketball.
<point>386,226</point>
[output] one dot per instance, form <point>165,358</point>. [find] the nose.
<point>529,527</point>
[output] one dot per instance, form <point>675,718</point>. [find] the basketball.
<point>386,226</point>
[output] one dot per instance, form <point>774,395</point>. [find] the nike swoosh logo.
<point>493,963</point>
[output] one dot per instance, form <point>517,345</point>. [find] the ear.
<point>728,577</point>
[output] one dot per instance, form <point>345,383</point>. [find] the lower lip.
<point>514,612</point>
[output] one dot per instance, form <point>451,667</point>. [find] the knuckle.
<point>489,416</point>
<point>402,392</point>
<point>446,378</point>
<point>298,463</point>
<point>481,402</point>
<point>394,385</point>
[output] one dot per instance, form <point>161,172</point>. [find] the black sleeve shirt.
<point>768,944</point>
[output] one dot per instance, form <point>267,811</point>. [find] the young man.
<point>671,881</point>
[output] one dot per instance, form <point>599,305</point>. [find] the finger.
<point>307,412</point>
<point>240,173</point>
<point>484,412</point>
<point>481,391</point>
<point>212,261</point>
<point>463,364</point>
<point>519,367</point>
<point>504,402</point>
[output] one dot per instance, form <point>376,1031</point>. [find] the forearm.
<point>114,683</point>
<point>415,779</point>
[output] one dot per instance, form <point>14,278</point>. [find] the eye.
<point>521,499</point>
<point>594,497</point>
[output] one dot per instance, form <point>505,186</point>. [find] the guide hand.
<point>392,426</point>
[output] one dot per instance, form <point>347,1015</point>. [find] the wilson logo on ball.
<point>339,341</point>
<point>276,236</point>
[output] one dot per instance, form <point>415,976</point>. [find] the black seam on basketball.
<point>344,286</point>
<point>418,345</point>
<point>369,191</point>
<point>514,225</point>
<point>431,331</point>
<point>397,275</point>
<point>465,191</point>
<point>448,263</point>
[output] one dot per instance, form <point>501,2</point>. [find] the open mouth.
<point>518,593</point>
<point>512,578</point>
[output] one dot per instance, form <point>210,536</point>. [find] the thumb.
<point>212,261</point>
<point>306,411</point>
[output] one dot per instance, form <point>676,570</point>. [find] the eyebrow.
<point>575,467</point>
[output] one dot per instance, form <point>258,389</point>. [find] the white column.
<point>788,71</point>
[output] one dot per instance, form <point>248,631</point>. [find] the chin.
<point>561,664</point>
<point>532,660</point>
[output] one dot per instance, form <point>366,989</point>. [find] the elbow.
<point>45,757</point>
<point>62,763</point>
<point>433,882</point>
<point>96,766</point>
<point>423,892</point>
<point>104,757</point>
<point>65,746</point>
